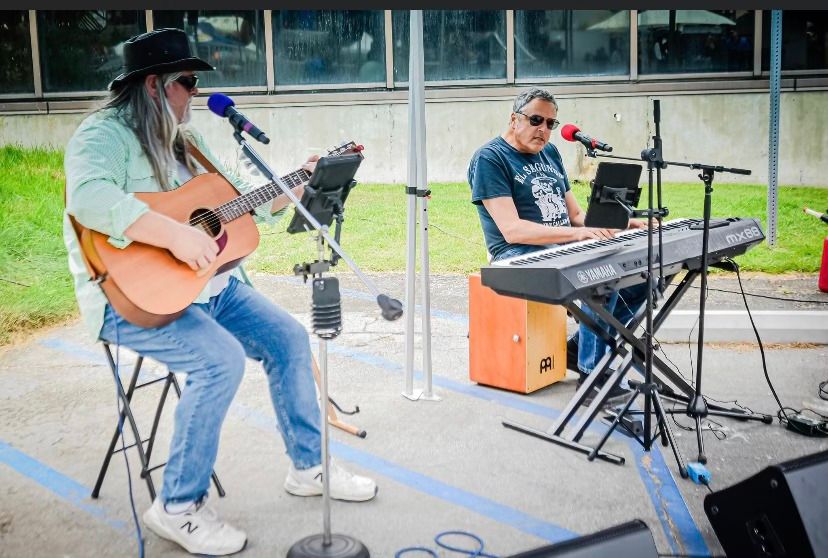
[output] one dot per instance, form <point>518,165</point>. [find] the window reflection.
<point>571,43</point>
<point>457,44</point>
<point>82,50</point>
<point>691,41</point>
<point>15,52</point>
<point>328,46</point>
<point>804,40</point>
<point>232,41</point>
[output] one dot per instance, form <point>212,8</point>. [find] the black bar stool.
<point>126,413</point>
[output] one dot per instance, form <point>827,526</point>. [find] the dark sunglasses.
<point>188,82</point>
<point>537,120</point>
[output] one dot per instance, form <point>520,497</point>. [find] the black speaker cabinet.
<point>628,540</point>
<point>780,512</point>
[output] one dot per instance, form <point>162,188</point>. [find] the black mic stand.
<point>652,400</point>
<point>327,324</point>
<point>697,406</point>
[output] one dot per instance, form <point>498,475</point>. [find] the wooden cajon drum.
<point>514,344</point>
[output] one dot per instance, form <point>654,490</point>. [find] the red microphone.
<point>570,132</point>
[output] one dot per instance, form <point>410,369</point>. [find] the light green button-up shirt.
<point>105,165</point>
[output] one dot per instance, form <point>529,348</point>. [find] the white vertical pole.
<point>773,125</point>
<point>417,189</point>
<point>414,52</point>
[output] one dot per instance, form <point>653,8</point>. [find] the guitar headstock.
<point>347,148</point>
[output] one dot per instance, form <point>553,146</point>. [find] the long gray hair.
<point>154,123</point>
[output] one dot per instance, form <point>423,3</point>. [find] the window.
<point>457,45</point>
<point>329,47</point>
<point>695,41</point>
<point>232,41</point>
<point>571,43</point>
<point>82,50</point>
<point>804,40</point>
<point>15,53</point>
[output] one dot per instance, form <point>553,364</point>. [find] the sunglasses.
<point>537,120</point>
<point>188,82</point>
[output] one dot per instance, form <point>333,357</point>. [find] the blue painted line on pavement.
<point>662,490</point>
<point>665,497</point>
<point>57,483</point>
<point>682,533</point>
<point>425,484</point>
<point>433,487</point>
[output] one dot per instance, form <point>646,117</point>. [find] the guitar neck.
<point>258,196</point>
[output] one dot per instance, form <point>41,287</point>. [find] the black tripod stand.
<point>649,389</point>
<point>696,406</point>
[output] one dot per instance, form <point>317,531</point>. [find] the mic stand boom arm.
<point>391,308</point>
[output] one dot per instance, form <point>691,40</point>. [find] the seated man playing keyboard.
<point>525,204</point>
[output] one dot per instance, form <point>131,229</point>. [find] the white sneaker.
<point>198,529</point>
<point>343,485</point>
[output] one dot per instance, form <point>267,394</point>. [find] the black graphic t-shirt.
<point>536,183</point>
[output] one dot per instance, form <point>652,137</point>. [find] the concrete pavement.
<point>444,465</point>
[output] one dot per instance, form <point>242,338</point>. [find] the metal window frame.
<point>757,43</point>
<point>633,45</point>
<point>591,78</point>
<point>389,49</point>
<point>695,75</point>
<point>465,87</point>
<point>37,76</point>
<point>510,46</point>
<point>270,71</point>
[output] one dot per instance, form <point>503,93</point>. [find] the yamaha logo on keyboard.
<point>597,273</point>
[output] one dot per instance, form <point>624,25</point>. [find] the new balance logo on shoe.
<point>189,527</point>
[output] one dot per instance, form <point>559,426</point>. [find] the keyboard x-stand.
<point>555,277</point>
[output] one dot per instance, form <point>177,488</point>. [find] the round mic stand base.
<point>338,546</point>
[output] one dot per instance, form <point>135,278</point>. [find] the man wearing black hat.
<point>139,142</point>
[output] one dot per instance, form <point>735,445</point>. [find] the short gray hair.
<point>529,95</point>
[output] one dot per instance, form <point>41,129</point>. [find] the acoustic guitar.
<point>146,284</point>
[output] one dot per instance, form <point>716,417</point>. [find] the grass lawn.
<point>36,290</point>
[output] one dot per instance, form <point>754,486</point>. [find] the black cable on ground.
<point>765,296</point>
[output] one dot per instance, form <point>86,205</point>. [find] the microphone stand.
<point>649,388</point>
<point>327,324</point>
<point>697,407</point>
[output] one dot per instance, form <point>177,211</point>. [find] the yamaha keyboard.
<point>594,267</point>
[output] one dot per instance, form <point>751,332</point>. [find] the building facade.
<point>315,78</point>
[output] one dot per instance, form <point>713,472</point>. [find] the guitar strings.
<point>213,219</point>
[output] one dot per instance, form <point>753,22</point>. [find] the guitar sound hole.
<point>207,221</point>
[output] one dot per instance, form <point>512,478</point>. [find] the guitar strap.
<point>199,156</point>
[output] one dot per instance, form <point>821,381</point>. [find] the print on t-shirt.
<point>548,200</point>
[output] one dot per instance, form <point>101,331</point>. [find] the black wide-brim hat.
<point>162,51</point>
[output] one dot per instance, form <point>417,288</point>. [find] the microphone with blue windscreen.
<point>222,105</point>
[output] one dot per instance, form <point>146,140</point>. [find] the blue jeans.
<point>591,347</point>
<point>209,343</point>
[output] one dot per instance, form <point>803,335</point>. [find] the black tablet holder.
<point>615,191</point>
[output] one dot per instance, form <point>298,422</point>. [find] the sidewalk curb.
<point>774,326</point>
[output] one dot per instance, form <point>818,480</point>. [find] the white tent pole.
<point>415,53</point>
<point>417,190</point>
<point>416,84</point>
